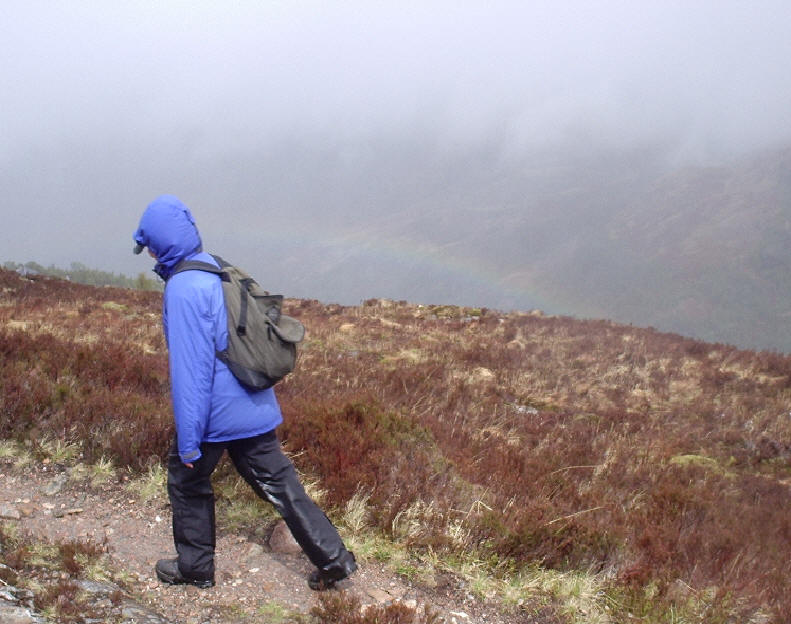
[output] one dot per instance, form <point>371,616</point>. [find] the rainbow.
<point>476,276</point>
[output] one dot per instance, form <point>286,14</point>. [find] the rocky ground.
<point>256,582</point>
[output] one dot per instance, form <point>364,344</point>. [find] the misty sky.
<point>265,111</point>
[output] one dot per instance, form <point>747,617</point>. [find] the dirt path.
<point>254,583</point>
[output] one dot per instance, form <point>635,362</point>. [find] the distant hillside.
<point>702,251</point>
<point>81,274</point>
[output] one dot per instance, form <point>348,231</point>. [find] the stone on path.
<point>9,512</point>
<point>282,541</point>
<point>56,485</point>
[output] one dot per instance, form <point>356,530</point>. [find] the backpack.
<point>262,342</point>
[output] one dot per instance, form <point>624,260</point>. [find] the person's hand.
<point>189,465</point>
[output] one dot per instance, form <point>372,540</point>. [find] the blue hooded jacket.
<point>209,404</point>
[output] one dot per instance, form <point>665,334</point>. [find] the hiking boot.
<point>168,572</point>
<point>320,580</point>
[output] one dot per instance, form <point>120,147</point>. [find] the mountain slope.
<point>702,251</point>
<point>528,455</point>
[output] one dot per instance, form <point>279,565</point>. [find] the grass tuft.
<point>356,514</point>
<point>150,485</point>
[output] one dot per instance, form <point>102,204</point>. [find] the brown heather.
<point>334,608</point>
<point>54,570</point>
<point>658,461</point>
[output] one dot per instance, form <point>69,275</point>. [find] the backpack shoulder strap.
<point>223,263</point>
<point>242,280</point>
<point>197,265</point>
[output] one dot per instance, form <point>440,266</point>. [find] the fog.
<point>706,75</point>
<point>329,144</point>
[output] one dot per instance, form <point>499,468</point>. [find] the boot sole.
<point>172,580</point>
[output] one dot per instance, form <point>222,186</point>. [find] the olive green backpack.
<point>262,342</point>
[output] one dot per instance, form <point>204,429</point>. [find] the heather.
<point>652,464</point>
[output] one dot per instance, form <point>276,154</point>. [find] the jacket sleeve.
<point>189,330</point>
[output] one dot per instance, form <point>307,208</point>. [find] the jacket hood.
<point>168,229</point>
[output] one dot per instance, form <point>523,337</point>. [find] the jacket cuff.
<point>189,457</point>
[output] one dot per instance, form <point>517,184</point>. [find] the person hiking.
<point>214,413</point>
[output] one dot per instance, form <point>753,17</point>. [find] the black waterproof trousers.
<point>271,474</point>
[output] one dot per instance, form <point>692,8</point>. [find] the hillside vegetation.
<point>82,274</point>
<point>616,473</point>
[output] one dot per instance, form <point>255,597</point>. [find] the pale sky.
<point>284,110</point>
<point>713,73</point>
